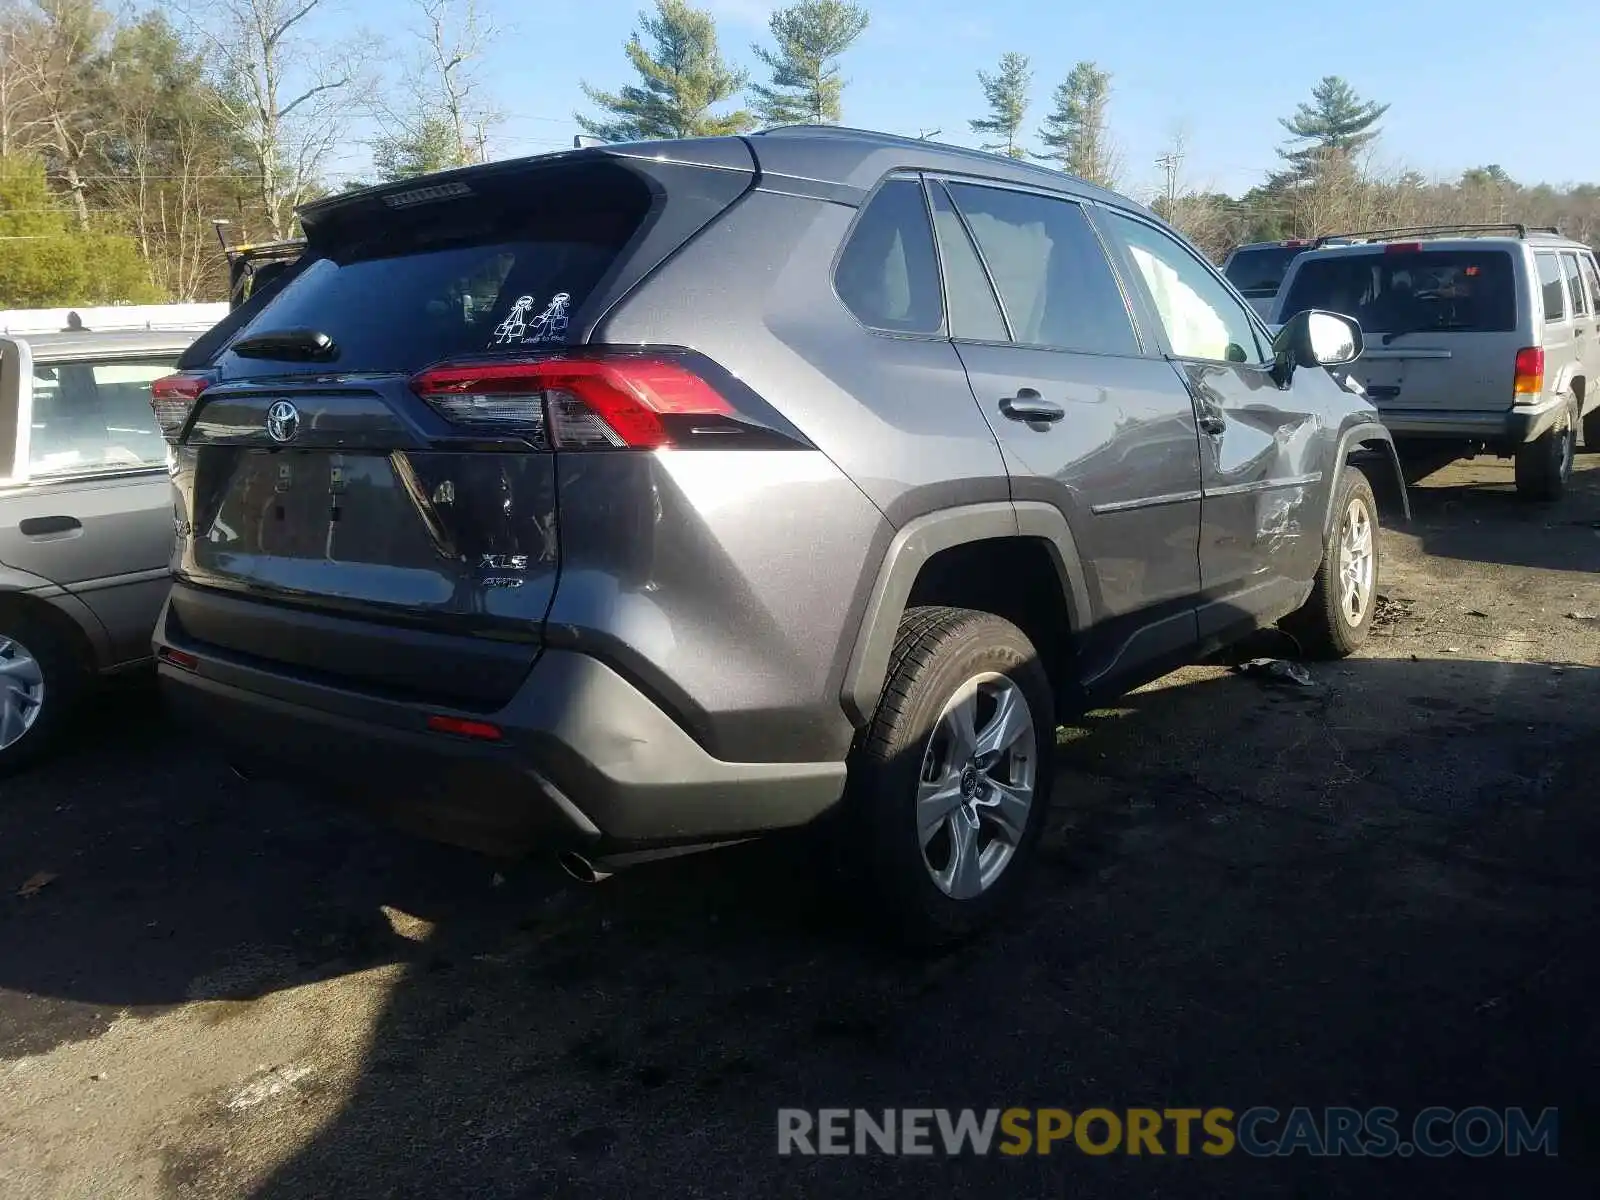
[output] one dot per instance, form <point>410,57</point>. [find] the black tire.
<point>1545,464</point>
<point>1321,626</point>
<point>938,653</point>
<point>63,684</point>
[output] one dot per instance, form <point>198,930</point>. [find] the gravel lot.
<point>1378,890</point>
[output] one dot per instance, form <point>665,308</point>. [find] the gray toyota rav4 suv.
<point>658,496</point>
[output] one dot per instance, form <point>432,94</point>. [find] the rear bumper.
<point>1522,423</point>
<point>585,759</point>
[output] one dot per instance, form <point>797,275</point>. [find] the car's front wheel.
<point>1337,618</point>
<point>38,683</point>
<point>950,783</point>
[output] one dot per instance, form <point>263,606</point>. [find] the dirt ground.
<point>1379,890</point>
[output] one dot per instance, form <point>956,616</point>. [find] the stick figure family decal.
<point>549,326</point>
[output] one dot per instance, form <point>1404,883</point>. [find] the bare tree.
<point>61,71</point>
<point>444,122</point>
<point>289,99</point>
<point>23,122</point>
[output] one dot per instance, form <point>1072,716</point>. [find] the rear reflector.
<point>1530,372</point>
<point>173,398</point>
<point>600,400</point>
<point>178,658</point>
<point>480,731</point>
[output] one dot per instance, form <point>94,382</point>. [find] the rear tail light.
<point>1530,372</point>
<point>173,399</point>
<point>605,400</point>
<point>479,731</point>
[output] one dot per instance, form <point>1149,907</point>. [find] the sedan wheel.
<point>1357,562</point>
<point>22,691</point>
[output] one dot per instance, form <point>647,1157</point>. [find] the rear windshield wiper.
<point>1445,328</point>
<point>291,345</point>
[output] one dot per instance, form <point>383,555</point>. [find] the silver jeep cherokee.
<point>663,495</point>
<point>1479,337</point>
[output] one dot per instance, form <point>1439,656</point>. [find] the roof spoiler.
<point>1421,231</point>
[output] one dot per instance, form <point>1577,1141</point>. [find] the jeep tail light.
<point>604,399</point>
<point>1530,372</point>
<point>173,399</point>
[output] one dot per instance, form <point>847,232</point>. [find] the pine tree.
<point>1075,130</point>
<point>806,83</point>
<point>682,76</point>
<point>1336,120</point>
<point>1007,94</point>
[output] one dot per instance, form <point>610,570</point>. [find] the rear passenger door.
<point>1089,419</point>
<point>1585,347</point>
<point>95,513</point>
<point>1591,361</point>
<point>1265,451</point>
<point>1559,340</point>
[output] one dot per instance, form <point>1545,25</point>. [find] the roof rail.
<point>1384,235</point>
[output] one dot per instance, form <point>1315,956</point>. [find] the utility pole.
<point>1169,164</point>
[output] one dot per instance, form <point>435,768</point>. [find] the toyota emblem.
<point>283,421</point>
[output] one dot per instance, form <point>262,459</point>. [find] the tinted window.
<point>1467,291</point>
<point>1555,304</point>
<point>1569,268</point>
<point>397,291</point>
<point>1261,269</point>
<point>1594,281</point>
<point>888,274</point>
<point>974,312</point>
<point>1054,281</point>
<point>1203,319</point>
<point>95,417</point>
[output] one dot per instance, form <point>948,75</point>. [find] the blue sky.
<point>1225,70</point>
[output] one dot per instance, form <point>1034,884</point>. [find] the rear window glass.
<point>1555,301</point>
<point>888,273</point>
<point>1569,268</point>
<point>1465,291</point>
<point>1261,269</point>
<point>396,293</point>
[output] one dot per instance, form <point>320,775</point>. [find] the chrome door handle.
<point>1028,405</point>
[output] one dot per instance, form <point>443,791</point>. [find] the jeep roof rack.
<point>1425,231</point>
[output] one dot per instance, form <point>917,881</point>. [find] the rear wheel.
<point>39,681</point>
<point>1545,464</point>
<point>1337,618</point>
<point>950,783</point>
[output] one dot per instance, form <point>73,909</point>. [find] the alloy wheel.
<point>21,691</point>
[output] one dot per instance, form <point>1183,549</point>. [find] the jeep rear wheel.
<point>950,783</point>
<point>1545,464</point>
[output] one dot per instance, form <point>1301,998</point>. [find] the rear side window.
<point>1569,268</point>
<point>1261,269</point>
<point>888,273</point>
<point>1054,280</point>
<point>974,311</point>
<point>1457,291</point>
<point>1555,303</point>
<point>1593,279</point>
<point>95,417</point>
<point>399,290</point>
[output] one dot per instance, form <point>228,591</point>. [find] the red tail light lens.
<point>607,400</point>
<point>173,398</point>
<point>1403,248</point>
<point>1530,372</point>
<point>480,731</point>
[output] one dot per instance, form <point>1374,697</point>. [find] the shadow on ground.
<point>1379,890</point>
<point>1474,513</point>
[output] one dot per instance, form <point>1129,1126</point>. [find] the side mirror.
<point>1316,338</point>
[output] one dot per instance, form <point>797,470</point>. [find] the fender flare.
<point>1351,441</point>
<point>913,546</point>
<point>34,590</point>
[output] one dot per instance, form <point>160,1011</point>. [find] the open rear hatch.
<point>320,478</point>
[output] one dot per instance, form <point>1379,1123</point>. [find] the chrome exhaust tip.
<point>580,868</point>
